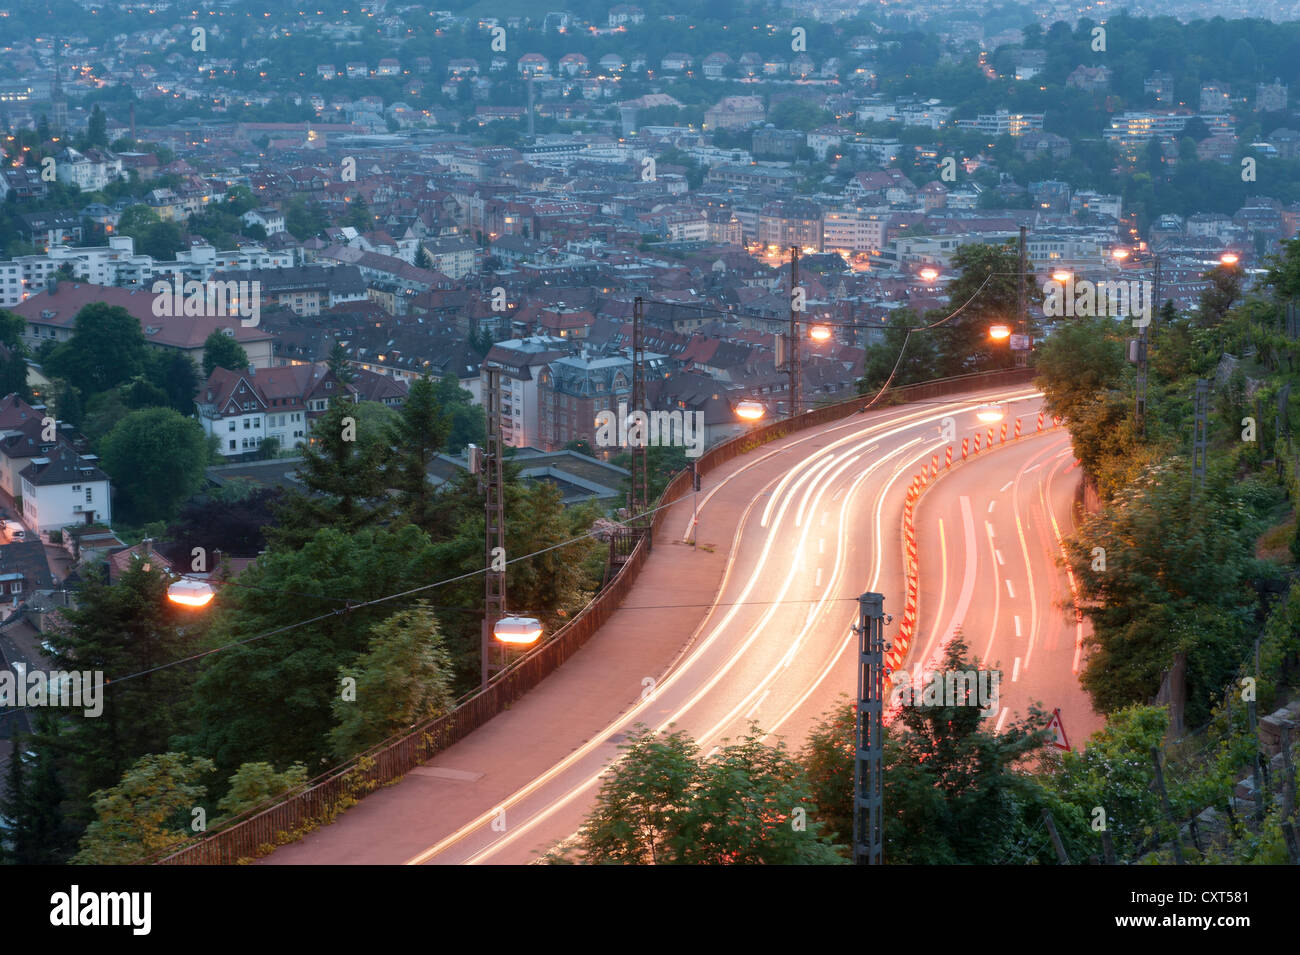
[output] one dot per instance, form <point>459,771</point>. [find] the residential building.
<point>63,488</point>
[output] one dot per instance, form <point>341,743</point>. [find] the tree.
<point>222,351</point>
<point>343,470</point>
<point>32,801</point>
<point>145,814</point>
<point>107,348</point>
<point>827,758</point>
<point>135,220</point>
<point>418,435</point>
<point>403,678</point>
<point>662,804</point>
<point>340,365</point>
<point>468,423</point>
<point>156,459</point>
<point>13,360</point>
<point>956,791</point>
<point>120,629</point>
<point>97,128</point>
<point>270,700</point>
<point>986,292</point>
<point>917,350</point>
<point>176,374</point>
<point>1115,772</point>
<point>256,783</point>
<point>141,393</point>
<point>1175,576</point>
<point>231,518</point>
<point>1219,296</point>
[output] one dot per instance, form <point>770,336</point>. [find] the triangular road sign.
<point>1059,740</point>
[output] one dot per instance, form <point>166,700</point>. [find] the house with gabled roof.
<point>244,408</point>
<point>62,488</point>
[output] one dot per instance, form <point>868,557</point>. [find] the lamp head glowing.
<point>190,593</point>
<point>750,410</point>
<point>1120,254</point>
<point>1000,333</point>
<point>990,413</point>
<point>929,274</point>
<point>1229,259</point>
<point>1062,276</point>
<point>819,333</point>
<point>520,631</point>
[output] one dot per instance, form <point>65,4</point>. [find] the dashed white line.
<point>757,704</point>
<point>991,503</point>
<point>1015,671</point>
<point>1001,719</point>
<point>1004,487</point>
<point>821,545</point>
<point>1001,560</point>
<point>818,581</point>
<point>1017,625</point>
<point>1011,592</point>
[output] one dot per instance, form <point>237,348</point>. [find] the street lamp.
<point>1062,276</point>
<point>999,333</point>
<point>1120,255</point>
<point>518,631</point>
<point>928,273</point>
<point>990,413</point>
<point>819,333</point>
<point>1229,259</point>
<point>190,593</point>
<point>750,410</point>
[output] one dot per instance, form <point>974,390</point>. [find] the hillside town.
<point>268,277</point>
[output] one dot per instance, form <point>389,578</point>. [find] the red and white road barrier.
<point>947,458</point>
<point>965,447</point>
<point>1004,433</point>
<point>1040,420</point>
<point>1017,428</point>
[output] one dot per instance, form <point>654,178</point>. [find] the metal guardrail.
<point>261,828</point>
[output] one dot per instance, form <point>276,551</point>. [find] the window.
<point>232,426</point>
<point>76,488</point>
<point>17,587</point>
<point>89,495</point>
<point>232,444</point>
<point>247,424</point>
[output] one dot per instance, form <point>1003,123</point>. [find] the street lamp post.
<point>868,736</point>
<point>792,359</point>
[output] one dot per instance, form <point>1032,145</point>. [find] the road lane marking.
<point>998,728</point>
<point>991,503</point>
<point>818,581</point>
<point>1004,487</point>
<point>1017,625</point>
<point>944,637</point>
<point>757,704</point>
<point>1001,560</point>
<point>821,545</point>
<point>1011,593</point>
<point>1015,671</point>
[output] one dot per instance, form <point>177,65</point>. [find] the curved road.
<point>753,625</point>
